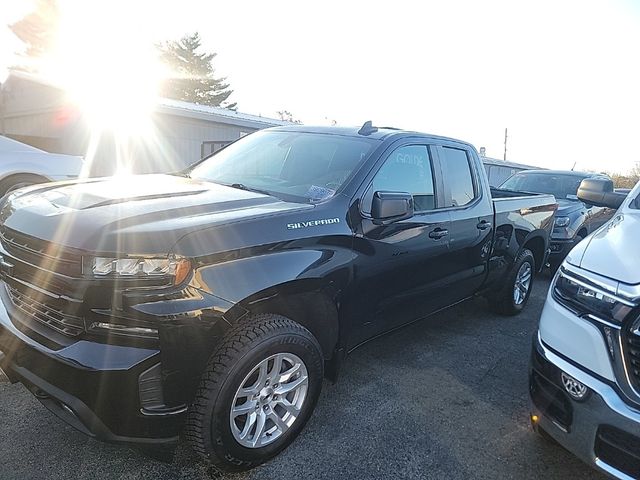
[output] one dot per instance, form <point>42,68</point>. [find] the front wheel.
<point>515,293</point>
<point>258,391</point>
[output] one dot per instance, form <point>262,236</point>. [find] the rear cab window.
<point>458,176</point>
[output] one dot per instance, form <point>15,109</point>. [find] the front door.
<point>398,265</point>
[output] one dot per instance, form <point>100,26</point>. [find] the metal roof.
<point>174,107</point>
<point>30,77</point>
<point>506,163</point>
<point>205,112</point>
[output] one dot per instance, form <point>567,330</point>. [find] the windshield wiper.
<point>242,186</point>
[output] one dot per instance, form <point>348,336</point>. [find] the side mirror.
<point>599,192</point>
<point>389,207</point>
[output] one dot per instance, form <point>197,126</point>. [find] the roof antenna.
<point>574,165</point>
<point>367,128</point>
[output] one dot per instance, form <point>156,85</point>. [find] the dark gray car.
<point>574,219</point>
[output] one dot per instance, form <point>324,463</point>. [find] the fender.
<point>302,284</point>
<point>509,241</point>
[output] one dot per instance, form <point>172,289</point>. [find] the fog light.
<point>150,388</point>
<point>576,390</point>
<point>534,419</point>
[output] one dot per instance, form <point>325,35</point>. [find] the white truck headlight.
<point>562,222</point>
<point>590,299</point>
<point>178,268</point>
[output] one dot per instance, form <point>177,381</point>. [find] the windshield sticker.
<point>312,223</point>
<point>317,194</point>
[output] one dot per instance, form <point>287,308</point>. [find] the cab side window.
<point>456,172</point>
<point>407,169</point>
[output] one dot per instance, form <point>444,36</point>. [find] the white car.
<point>585,364</point>
<point>22,165</point>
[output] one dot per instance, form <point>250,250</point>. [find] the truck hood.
<point>611,250</point>
<point>565,207</point>
<point>139,214</point>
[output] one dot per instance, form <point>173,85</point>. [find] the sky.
<point>562,75</point>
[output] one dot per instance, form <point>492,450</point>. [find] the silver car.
<point>22,165</point>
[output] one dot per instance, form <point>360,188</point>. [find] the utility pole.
<point>505,144</point>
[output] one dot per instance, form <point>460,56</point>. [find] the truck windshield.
<point>301,166</point>
<point>558,185</point>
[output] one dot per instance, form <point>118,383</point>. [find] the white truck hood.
<point>613,250</point>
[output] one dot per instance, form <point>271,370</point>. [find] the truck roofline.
<point>382,133</point>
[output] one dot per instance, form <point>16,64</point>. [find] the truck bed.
<point>508,200</point>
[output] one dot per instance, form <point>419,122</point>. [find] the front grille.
<point>619,449</point>
<point>54,318</point>
<point>551,401</point>
<point>41,254</point>
<point>633,358</point>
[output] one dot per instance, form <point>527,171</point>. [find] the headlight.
<point>178,268</point>
<point>562,222</point>
<point>590,299</point>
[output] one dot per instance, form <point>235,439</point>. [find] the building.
<point>499,170</point>
<point>38,113</point>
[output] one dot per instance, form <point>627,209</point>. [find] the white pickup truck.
<point>585,364</point>
<point>22,165</point>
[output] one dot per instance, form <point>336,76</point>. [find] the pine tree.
<point>287,116</point>
<point>37,30</point>
<point>192,74</point>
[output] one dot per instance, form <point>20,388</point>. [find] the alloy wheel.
<point>522,283</point>
<point>269,400</point>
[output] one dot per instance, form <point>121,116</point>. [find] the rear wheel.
<point>515,293</point>
<point>257,393</point>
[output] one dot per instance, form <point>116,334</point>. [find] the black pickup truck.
<point>214,302</point>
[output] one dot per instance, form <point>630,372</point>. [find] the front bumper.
<point>560,248</point>
<point>92,386</point>
<point>601,429</point>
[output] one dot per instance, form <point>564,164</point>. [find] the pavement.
<point>442,398</point>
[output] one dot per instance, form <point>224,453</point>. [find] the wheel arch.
<point>309,302</point>
<point>8,180</point>
<point>537,245</point>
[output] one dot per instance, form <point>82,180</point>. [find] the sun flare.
<point>107,65</point>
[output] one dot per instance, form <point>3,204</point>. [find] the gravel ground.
<point>443,398</point>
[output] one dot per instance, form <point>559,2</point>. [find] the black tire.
<point>14,182</point>
<point>503,302</point>
<point>255,339</point>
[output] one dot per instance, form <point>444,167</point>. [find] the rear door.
<point>468,201</point>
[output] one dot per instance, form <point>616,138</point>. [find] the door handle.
<point>438,233</point>
<point>483,225</point>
